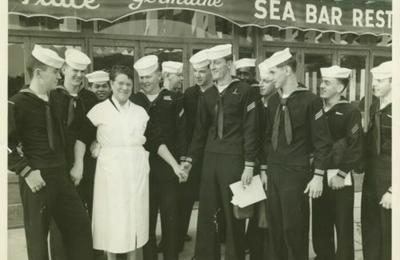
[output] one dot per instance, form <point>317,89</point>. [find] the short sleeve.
<point>95,115</point>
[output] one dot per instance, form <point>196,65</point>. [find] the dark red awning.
<point>357,16</point>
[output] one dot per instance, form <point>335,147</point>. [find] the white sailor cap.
<point>172,67</point>
<point>279,57</point>
<point>246,62</point>
<point>76,59</point>
<point>263,67</point>
<point>200,59</point>
<point>47,57</point>
<point>335,72</point>
<point>383,71</point>
<point>98,76</point>
<point>219,51</point>
<point>146,65</point>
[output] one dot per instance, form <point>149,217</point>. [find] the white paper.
<point>333,172</point>
<point>245,196</point>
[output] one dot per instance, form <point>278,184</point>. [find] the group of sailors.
<point>98,164</point>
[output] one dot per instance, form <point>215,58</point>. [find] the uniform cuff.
<point>319,172</point>
<point>25,171</point>
<point>188,159</point>
<point>342,174</point>
<point>249,164</point>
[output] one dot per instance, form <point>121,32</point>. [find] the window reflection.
<point>182,23</point>
<point>104,57</point>
<point>16,65</point>
<point>356,89</point>
<point>19,22</point>
<point>312,65</point>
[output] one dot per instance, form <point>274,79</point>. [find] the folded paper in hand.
<point>333,172</point>
<point>245,196</point>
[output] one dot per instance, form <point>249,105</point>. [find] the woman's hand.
<point>180,173</point>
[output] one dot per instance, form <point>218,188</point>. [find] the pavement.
<point>17,243</point>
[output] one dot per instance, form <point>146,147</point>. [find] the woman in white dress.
<point>120,221</point>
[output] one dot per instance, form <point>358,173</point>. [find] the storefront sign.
<point>325,15</point>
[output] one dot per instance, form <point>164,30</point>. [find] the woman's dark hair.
<point>121,69</point>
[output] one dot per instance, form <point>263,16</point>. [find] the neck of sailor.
<point>386,100</point>
<point>38,88</point>
<point>290,85</point>
<point>331,101</point>
<point>225,79</point>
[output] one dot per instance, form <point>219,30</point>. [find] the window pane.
<point>312,65</point>
<point>106,57</point>
<point>19,22</point>
<point>357,85</point>
<point>165,54</point>
<point>169,23</point>
<point>16,66</point>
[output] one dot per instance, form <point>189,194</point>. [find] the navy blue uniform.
<point>166,111</point>
<point>377,221</point>
<point>334,209</point>
<point>226,131</point>
<point>33,124</point>
<point>289,169</point>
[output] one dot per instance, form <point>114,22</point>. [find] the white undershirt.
<point>152,97</point>
<point>222,87</point>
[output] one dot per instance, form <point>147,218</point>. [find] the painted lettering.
<point>261,10</point>
<point>137,4</point>
<point>274,9</point>
<point>288,12</point>
<point>357,17</point>
<point>323,16</point>
<point>336,16</point>
<point>311,13</point>
<point>75,4</point>
<point>369,17</point>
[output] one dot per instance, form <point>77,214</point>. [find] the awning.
<point>356,16</point>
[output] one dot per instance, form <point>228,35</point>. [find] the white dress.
<point>120,220</point>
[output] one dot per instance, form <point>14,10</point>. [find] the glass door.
<point>358,90</point>
<point>107,53</point>
<point>168,52</point>
<point>314,60</point>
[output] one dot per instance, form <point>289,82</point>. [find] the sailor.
<point>45,188</point>
<point>189,191</point>
<point>165,108</point>
<point>226,130</point>
<point>72,102</point>
<point>246,70</point>
<point>99,84</point>
<point>334,209</point>
<point>376,205</point>
<point>257,237</point>
<point>173,76</point>
<point>296,128</point>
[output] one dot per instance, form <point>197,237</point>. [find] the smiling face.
<point>382,87</point>
<point>202,76</point>
<point>266,86</point>
<point>122,88</point>
<point>150,84</point>
<point>220,68</point>
<point>330,87</point>
<point>73,76</point>
<point>102,90</point>
<point>245,74</point>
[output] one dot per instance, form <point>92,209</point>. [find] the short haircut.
<point>33,64</point>
<point>121,69</point>
<point>292,63</point>
<point>344,81</point>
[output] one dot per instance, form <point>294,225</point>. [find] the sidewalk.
<point>17,245</point>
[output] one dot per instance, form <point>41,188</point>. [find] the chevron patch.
<point>319,114</point>
<point>167,98</point>
<point>355,129</point>
<point>251,106</point>
<point>181,113</point>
